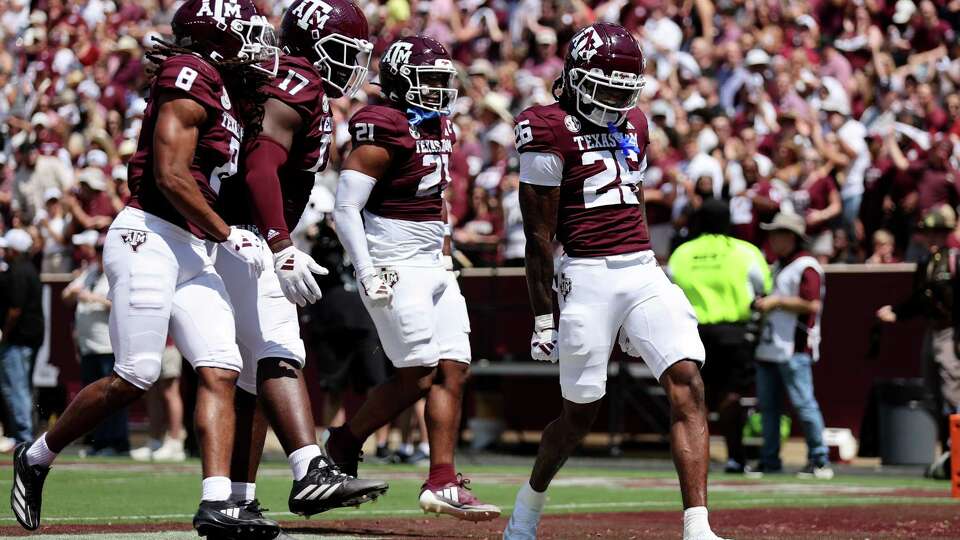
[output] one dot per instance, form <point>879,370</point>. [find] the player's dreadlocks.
<point>244,84</point>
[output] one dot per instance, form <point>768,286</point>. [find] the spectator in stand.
<point>23,329</point>
<point>789,346</point>
<point>51,224</point>
<point>818,201</point>
<point>515,242</point>
<point>884,248</point>
<point>165,409</point>
<point>92,205</point>
<point>89,295</point>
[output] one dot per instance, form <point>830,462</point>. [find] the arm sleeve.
<point>541,169</point>
<point>353,191</point>
<point>263,158</point>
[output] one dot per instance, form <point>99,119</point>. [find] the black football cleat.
<point>26,494</point>
<point>326,487</point>
<point>229,520</point>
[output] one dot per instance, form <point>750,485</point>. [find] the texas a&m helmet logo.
<point>134,239</point>
<point>398,54</point>
<point>312,9</point>
<point>585,44</point>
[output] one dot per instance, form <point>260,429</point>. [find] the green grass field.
<point>117,492</point>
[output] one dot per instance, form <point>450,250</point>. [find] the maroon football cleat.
<point>455,499</point>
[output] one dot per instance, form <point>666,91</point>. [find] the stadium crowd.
<point>844,111</point>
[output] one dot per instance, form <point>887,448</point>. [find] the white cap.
<point>127,148</point>
<point>757,57</point>
<point>119,172</point>
<point>92,177</point>
<point>903,11</point>
<point>18,240</point>
<point>86,238</point>
<point>52,193</point>
<point>40,119</point>
<point>97,158</point>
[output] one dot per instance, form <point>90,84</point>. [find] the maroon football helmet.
<point>333,34</point>
<point>603,72</point>
<point>226,29</point>
<point>418,71</point>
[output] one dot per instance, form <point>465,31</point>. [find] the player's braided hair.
<point>243,83</point>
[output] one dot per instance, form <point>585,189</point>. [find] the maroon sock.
<point>441,475</point>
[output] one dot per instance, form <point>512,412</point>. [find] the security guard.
<point>935,297</point>
<point>721,276</point>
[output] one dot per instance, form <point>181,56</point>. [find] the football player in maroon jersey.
<point>159,254</point>
<point>581,166</point>
<point>390,218</point>
<point>326,54</point>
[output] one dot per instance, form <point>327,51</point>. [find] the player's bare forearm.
<point>538,205</point>
<point>174,142</point>
<point>264,157</point>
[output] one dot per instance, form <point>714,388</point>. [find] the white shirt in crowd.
<point>92,318</point>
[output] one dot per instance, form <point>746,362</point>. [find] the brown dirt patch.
<point>874,522</point>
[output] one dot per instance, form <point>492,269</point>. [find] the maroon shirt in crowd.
<point>936,187</point>
<point>815,196</point>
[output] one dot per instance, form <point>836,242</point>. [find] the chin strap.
<point>417,116</point>
<point>626,143</point>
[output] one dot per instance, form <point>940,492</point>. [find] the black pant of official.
<point>727,374</point>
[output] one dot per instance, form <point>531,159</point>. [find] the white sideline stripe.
<point>818,502</point>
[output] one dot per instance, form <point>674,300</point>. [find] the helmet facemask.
<point>259,43</point>
<point>344,62</point>
<point>431,87</point>
<point>604,99</point>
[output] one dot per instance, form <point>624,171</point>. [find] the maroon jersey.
<point>600,193</point>
<point>299,86</point>
<point>218,143</point>
<point>419,166</point>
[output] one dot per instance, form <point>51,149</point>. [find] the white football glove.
<point>376,290</point>
<point>245,246</point>
<point>295,270</point>
<point>626,346</point>
<point>543,343</point>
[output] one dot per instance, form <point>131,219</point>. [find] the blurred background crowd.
<point>843,111</point>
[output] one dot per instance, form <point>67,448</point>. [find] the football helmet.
<point>226,29</point>
<point>603,72</point>
<point>418,71</point>
<point>333,34</point>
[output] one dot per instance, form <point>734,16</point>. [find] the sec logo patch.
<point>572,123</point>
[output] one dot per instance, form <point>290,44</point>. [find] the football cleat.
<point>230,520</point>
<point>455,499</point>
<point>26,493</point>
<point>326,487</point>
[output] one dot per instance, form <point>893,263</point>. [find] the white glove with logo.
<point>295,270</point>
<point>543,343</point>
<point>626,346</point>
<point>245,246</point>
<point>376,289</point>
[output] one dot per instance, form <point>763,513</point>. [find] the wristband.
<point>543,322</point>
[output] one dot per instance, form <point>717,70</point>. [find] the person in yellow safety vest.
<point>722,276</point>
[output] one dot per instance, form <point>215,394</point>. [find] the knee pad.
<point>141,370</point>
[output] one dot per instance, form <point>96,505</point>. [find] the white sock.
<point>39,453</point>
<point>424,447</point>
<point>243,491</point>
<point>532,499</point>
<point>300,460</point>
<point>406,448</point>
<point>215,488</point>
<point>695,521</point>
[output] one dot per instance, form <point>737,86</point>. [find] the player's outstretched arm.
<point>538,205</point>
<point>361,170</point>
